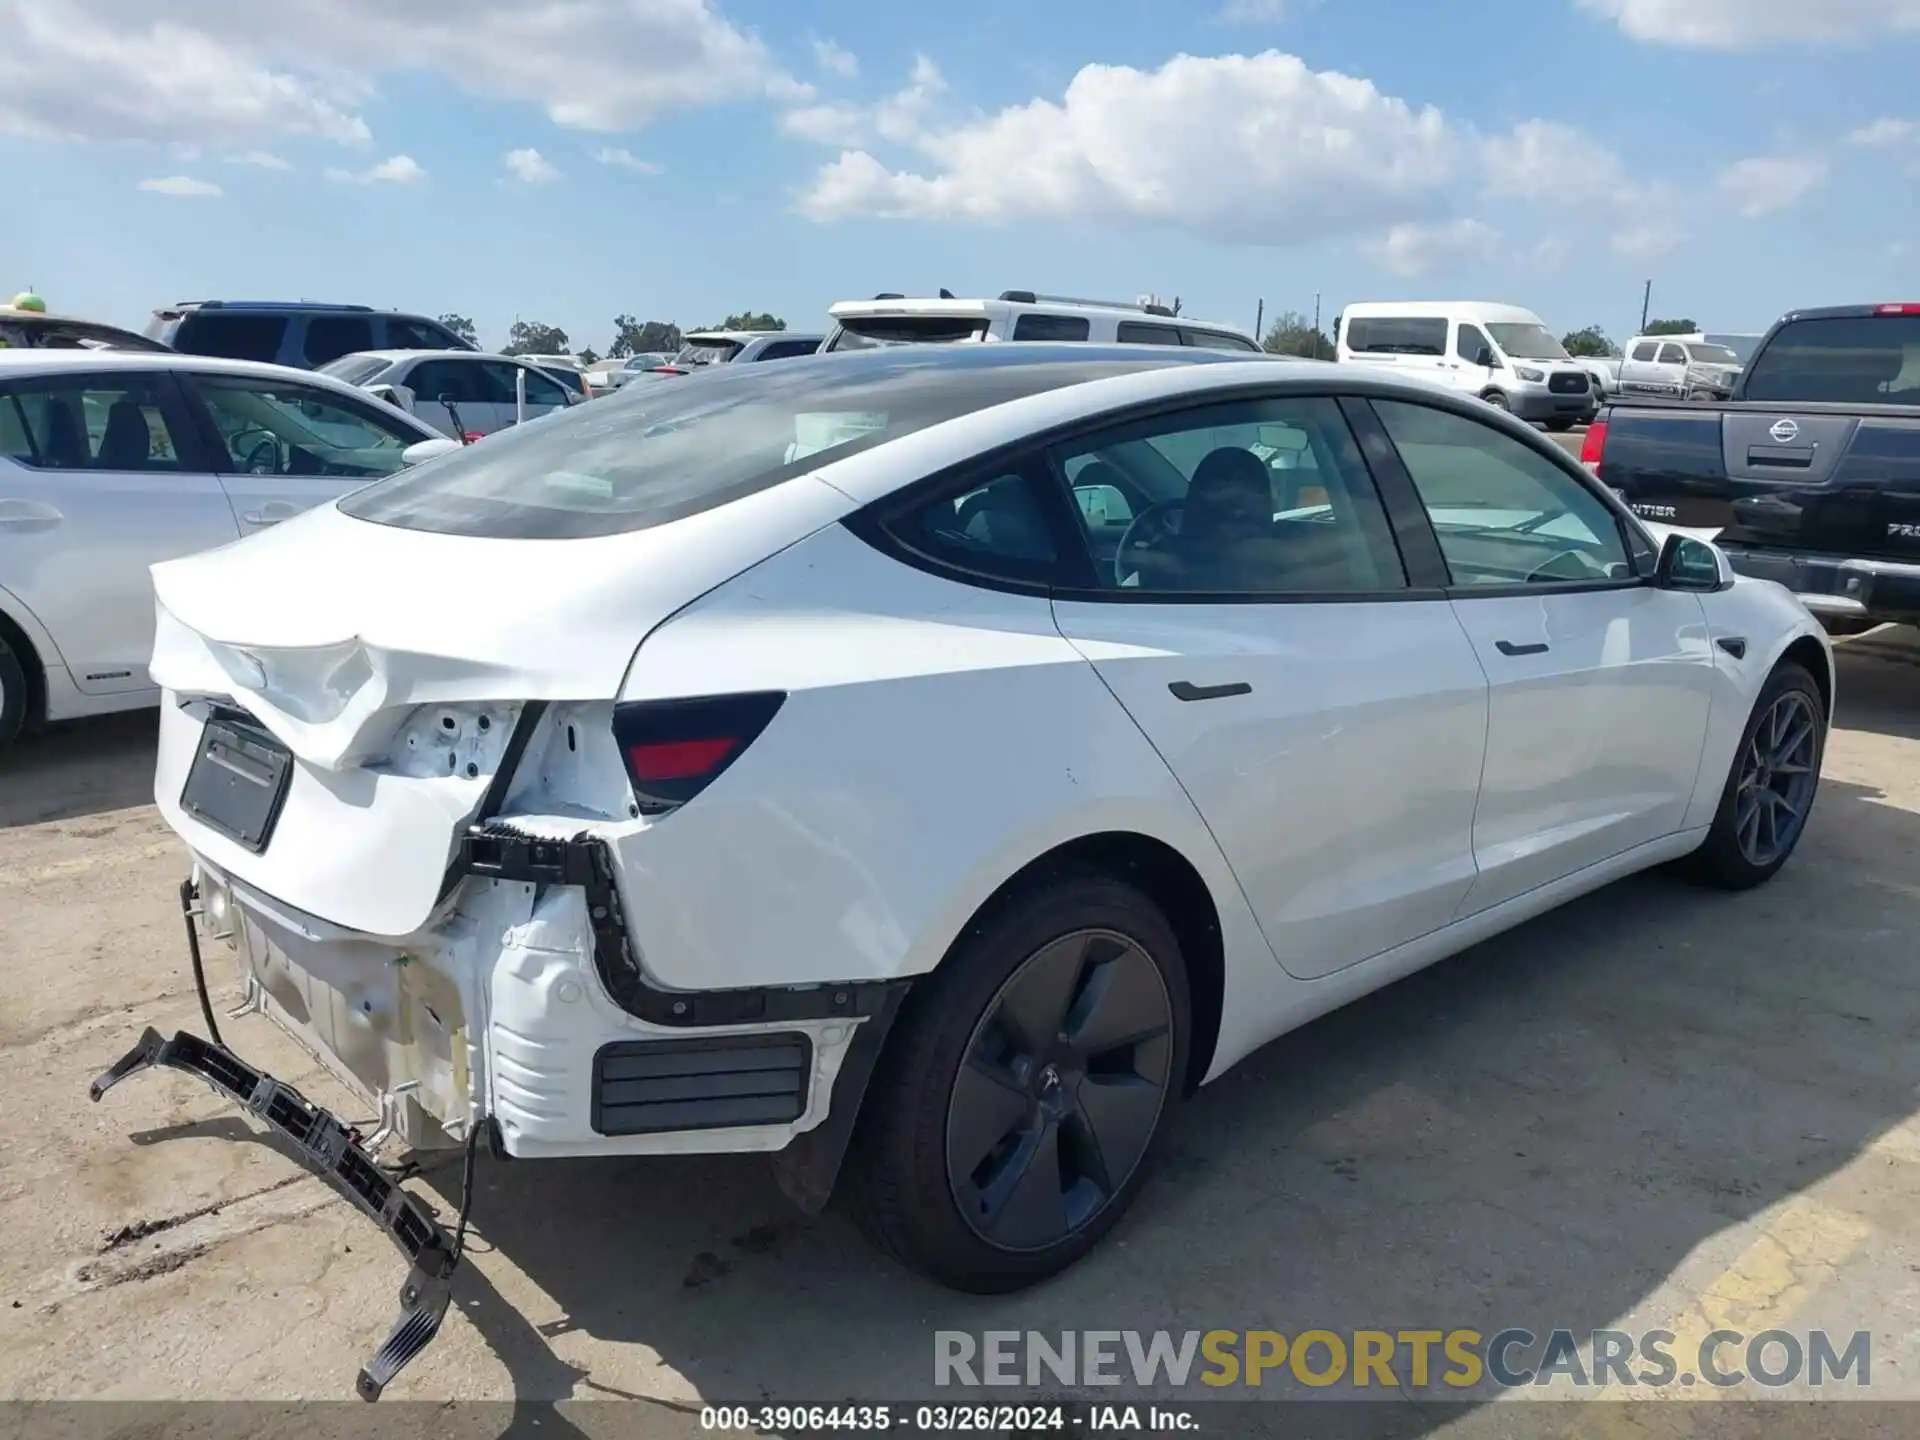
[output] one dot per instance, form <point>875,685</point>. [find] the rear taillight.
<point>1906,307</point>
<point>674,749</point>
<point>1595,445</point>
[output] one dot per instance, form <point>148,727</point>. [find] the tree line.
<point>630,336</point>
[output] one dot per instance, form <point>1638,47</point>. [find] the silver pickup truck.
<point>1679,367</point>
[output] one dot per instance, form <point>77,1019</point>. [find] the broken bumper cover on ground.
<point>331,1149</point>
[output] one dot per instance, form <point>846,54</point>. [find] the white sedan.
<point>464,394</point>
<point>961,751</point>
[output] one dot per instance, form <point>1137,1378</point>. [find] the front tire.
<point>1016,1110</point>
<point>13,694</point>
<point>1497,400</point>
<point>1770,788</point>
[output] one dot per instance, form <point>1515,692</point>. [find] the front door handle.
<point>1187,690</point>
<point>26,517</point>
<point>1507,647</point>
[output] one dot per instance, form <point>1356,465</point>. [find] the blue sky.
<point>567,160</point>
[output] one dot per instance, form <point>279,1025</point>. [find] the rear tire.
<point>1015,1113</point>
<point>13,694</point>
<point>1779,757</point>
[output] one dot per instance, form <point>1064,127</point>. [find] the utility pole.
<point>1316,312</point>
<point>1646,298</point>
<point>1259,319</point>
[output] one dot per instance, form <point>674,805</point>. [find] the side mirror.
<point>1689,564</point>
<point>422,450</point>
<point>1488,358</point>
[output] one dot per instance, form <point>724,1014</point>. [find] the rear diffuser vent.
<point>643,1087</point>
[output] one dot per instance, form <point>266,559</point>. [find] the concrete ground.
<point>1659,1107</point>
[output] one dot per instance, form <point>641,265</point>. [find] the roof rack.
<point>1034,297</point>
<point>267,305</point>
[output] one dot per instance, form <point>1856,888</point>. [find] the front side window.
<point>542,389</point>
<point>102,422</point>
<point>1672,355</point>
<point>1503,514</point>
<point>1035,325</point>
<point>1261,497</point>
<point>231,336</point>
<point>331,336</point>
<point>269,428</point>
<point>657,453</point>
<point>1472,346</point>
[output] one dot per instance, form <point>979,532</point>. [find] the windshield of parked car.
<point>1863,360</point>
<point>1712,355</point>
<point>649,455</point>
<point>1528,342</point>
<point>355,369</point>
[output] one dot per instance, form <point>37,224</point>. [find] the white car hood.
<point>326,621</point>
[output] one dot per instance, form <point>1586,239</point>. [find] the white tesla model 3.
<point>939,758</point>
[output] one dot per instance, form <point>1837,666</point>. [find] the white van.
<point>1501,353</point>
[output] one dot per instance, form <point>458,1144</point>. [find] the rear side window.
<point>462,381</point>
<point>407,332</point>
<point>994,525</point>
<point>1645,350</point>
<point>101,422</point>
<point>331,336</point>
<point>1869,360</point>
<point>872,332</point>
<point>232,336</point>
<point>657,453</point>
<point>1036,326</point>
<point>1133,332</point>
<point>1397,335</point>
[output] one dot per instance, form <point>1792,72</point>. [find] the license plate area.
<point>238,780</point>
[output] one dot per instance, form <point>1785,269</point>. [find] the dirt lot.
<point>1658,1106</point>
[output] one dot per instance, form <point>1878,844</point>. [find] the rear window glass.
<point>1868,360</point>
<point>233,337</point>
<point>649,455</point>
<point>1393,335</point>
<point>707,352</point>
<point>870,332</point>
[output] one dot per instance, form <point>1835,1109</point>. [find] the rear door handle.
<point>272,513</point>
<point>1507,647</point>
<point>1187,690</point>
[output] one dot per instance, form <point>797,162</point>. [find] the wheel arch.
<point>32,662</point>
<point>1173,883</point>
<point>1817,660</point>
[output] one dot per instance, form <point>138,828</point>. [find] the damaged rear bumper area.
<point>332,1150</point>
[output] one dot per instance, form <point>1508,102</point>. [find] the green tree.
<point>1590,341</point>
<point>1670,327</point>
<point>750,321</point>
<point>632,337</point>
<point>462,327</point>
<point>530,337</point>
<point>1294,334</point>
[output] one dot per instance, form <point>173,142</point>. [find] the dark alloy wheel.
<point>1013,1115</point>
<point>1774,787</point>
<point>1770,787</point>
<point>1060,1092</point>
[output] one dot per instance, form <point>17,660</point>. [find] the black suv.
<point>301,334</point>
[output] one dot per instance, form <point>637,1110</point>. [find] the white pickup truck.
<point>1686,367</point>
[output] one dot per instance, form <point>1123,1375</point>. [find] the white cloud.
<point>1557,167</point>
<point>263,159</point>
<point>624,159</point>
<point>1255,149</point>
<point>1763,184</point>
<point>529,166</point>
<point>901,117</point>
<point>397,170</point>
<point>1253,12</point>
<point>835,60</point>
<point>1412,250</point>
<point>184,186</point>
<point>219,71</point>
<point>1745,24</point>
<point>1885,131</point>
